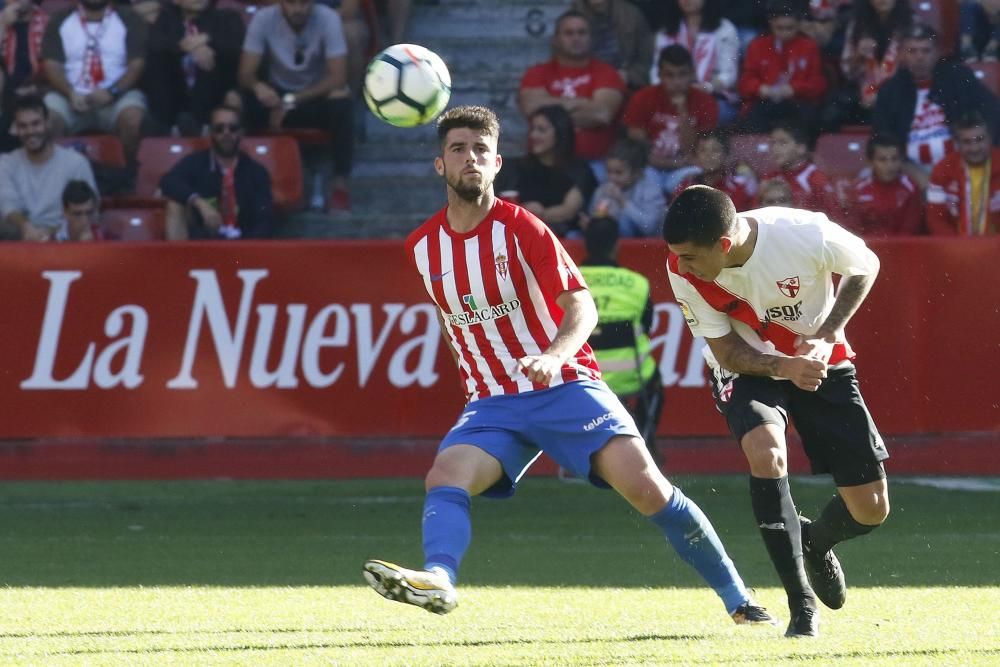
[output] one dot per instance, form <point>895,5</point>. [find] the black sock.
<point>833,526</point>
<point>779,526</point>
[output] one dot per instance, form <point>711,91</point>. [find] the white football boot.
<point>427,589</point>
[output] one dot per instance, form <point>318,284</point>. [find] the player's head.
<point>920,51</point>
<point>783,17</point>
<point>972,137</point>
<point>699,228</point>
<point>711,150</point>
<point>790,143</point>
<point>885,153</point>
<point>601,238</point>
<point>775,192</point>
<point>469,160</point>
<point>550,131</point>
<point>625,162</point>
<point>571,36</point>
<point>676,69</point>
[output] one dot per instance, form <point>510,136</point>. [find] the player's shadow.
<point>318,533</point>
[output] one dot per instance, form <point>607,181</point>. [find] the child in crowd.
<point>711,156</point>
<point>791,145</point>
<point>666,116</point>
<point>775,192</point>
<point>886,202</point>
<point>631,194</point>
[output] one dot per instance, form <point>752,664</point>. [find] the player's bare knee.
<point>767,458</point>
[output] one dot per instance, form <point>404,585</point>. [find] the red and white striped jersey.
<point>496,289</point>
<point>785,289</point>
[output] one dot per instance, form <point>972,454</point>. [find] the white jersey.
<point>783,290</point>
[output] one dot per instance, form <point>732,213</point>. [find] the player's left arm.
<point>579,320</point>
<point>858,267</point>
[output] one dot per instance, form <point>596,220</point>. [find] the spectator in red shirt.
<point>711,156</point>
<point>782,72</point>
<point>590,90</point>
<point>963,198</point>
<point>666,116</point>
<point>886,202</point>
<point>791,145</point>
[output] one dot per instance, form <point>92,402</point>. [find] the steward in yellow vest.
<point>625,313</point>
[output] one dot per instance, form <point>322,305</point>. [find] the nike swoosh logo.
<point>438,276</point>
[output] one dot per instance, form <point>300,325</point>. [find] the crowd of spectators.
<point>786,72</point>
<point>638,100</point>
<point>182,68</point>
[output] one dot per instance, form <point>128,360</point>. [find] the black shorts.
<point>837,431</point>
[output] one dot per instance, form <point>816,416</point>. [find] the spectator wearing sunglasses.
<point>302,46</point>
<point>220,192</point>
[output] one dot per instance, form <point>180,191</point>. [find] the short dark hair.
<point>569,14</point>
<point>471,117</point>
<point>798,131</point>
<point>631,152</point>
<point>675,55</point>
<point>919,31</point>
<point>600,237</point>
<point>970,119</point>
<point>782,8</point>
<point>29,103</point>
<point>231,109</point>
<point>715,134</point>
<point>884,140</point>
<point>78,192</point>
<point>700,215</point>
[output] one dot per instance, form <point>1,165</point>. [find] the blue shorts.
<point>568,422</point>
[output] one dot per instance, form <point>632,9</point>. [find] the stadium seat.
<point>156,156</point>
<point>989,74</point>
<point>752,149</point>
<point>134,224</point>
<point>942,15</point>
<point>841,157</point>
<point>101,148</point>
<point>281,156</point>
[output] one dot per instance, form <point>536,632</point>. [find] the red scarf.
<point>36,29</point>
<point>92,74</point>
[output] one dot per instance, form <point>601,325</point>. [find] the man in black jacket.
<point>191,61</point>
<point>220,192</point>
<point>924,97</point>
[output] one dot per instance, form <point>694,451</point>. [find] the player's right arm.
<point>735,354</point>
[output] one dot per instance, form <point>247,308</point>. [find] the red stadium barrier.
<point>336,339</point>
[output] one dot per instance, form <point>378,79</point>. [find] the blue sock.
<point>447,528</point>
<point>691,534</point>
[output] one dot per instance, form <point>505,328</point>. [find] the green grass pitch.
<point>268,573</point>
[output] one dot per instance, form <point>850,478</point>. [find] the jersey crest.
<point>789,286</point>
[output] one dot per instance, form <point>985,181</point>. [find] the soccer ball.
<point>407,85</point>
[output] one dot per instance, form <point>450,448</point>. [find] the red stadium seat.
<point>988,74</point>
<point>942,15</point>
<point>101,148</point>
<point>753,150</point>
<point>841,157</point>
<point>281,156</point>
<point>156,156</point>
<point>134,224</point>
